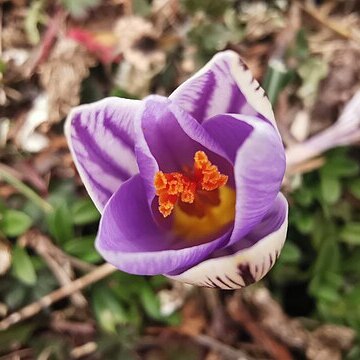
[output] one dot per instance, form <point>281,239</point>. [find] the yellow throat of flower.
<point>203,206</point>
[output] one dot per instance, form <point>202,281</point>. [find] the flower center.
<point>194,190</point>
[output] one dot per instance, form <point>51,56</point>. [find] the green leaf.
<point>305,222</point>
<point>15,336</point>
<point>79,8</point>
<point>351,233</point>
<point>327,293</point>
<point>304,196</point>
<point>150,302</point>
<point>276,78</point>
<point>355,188</point>
<point>340,166</point>
<point>107,308</point>
<point>330,188</point>
<point>33,17</point>
<point>119,92</point>
<point>2,67</point>
<point>141,7</point>
<point>60,223</point>
<point>351,265</point>
<point>84,212</point>
<point>83,248</point>
<point>15,223</point>
<point>301,50</point>
<point>290,253</point>
<point>209,7</point>
<point>328,259</point>
<point>312,71</point>
<point>22,267</point>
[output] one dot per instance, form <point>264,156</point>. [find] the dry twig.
<point>241,314</point>
<point>47,300</point>
<point>59,265</point>
<point>322,19</point>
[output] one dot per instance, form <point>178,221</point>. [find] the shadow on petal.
<point>129,238</point>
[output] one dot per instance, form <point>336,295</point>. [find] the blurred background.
<point>58,54</point>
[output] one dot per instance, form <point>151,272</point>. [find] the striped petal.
<point>257,154</point>
<point>224,85</point>
<point>101,140</point>
<point>247,261</point>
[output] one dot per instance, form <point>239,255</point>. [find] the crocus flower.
<point>188,186</point>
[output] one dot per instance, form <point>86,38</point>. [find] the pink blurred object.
<point>101,44</point>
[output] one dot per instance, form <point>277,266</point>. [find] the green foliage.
<point>2,67</point>
<point>60,223</point>
<point>322,249</point>
<point>83,248</point>
<point>108,310</point>
<point>84,212</point>
<point>79,8</point>
<point>276,78</point>
<point>351,233</point>
<point>22,266</point>
<point>355,188</point>
<point>212,8</point>
<point>311,72</point>
<point>34,17</point>
<point>14,223</point>
<point>15,336</point>
<point>141,7</point>
<point>217,25</point>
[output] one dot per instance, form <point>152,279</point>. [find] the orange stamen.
<point>176,186</point>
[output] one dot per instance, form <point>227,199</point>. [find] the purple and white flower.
<point>188,186</point>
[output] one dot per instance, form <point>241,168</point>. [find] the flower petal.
<point>256,151</point>
<point>223,85</point>
<point>129,239</point>
<point>101,140</point>
<point>236,267</point>
<point>167,139</point>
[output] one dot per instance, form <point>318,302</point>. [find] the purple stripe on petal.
<point>119,132</point>
<point>106,162</point>
<point>101,139</point>
<point>106,193</point>
<point>258,156</point>
<point>129,239</point>
<point>233,90</point>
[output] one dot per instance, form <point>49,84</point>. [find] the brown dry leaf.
<point>261,20</point>
<point>61,76</point>
<point>324,343</point>
<point>328,342</point>
<point>3,310</point>
<point>337,88</point>
<point>273,319</point>
<point>165,12</point>
<point>138,42</point>
<point>13,33</point>
<point>213,356</point>
<point>193,317</point>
